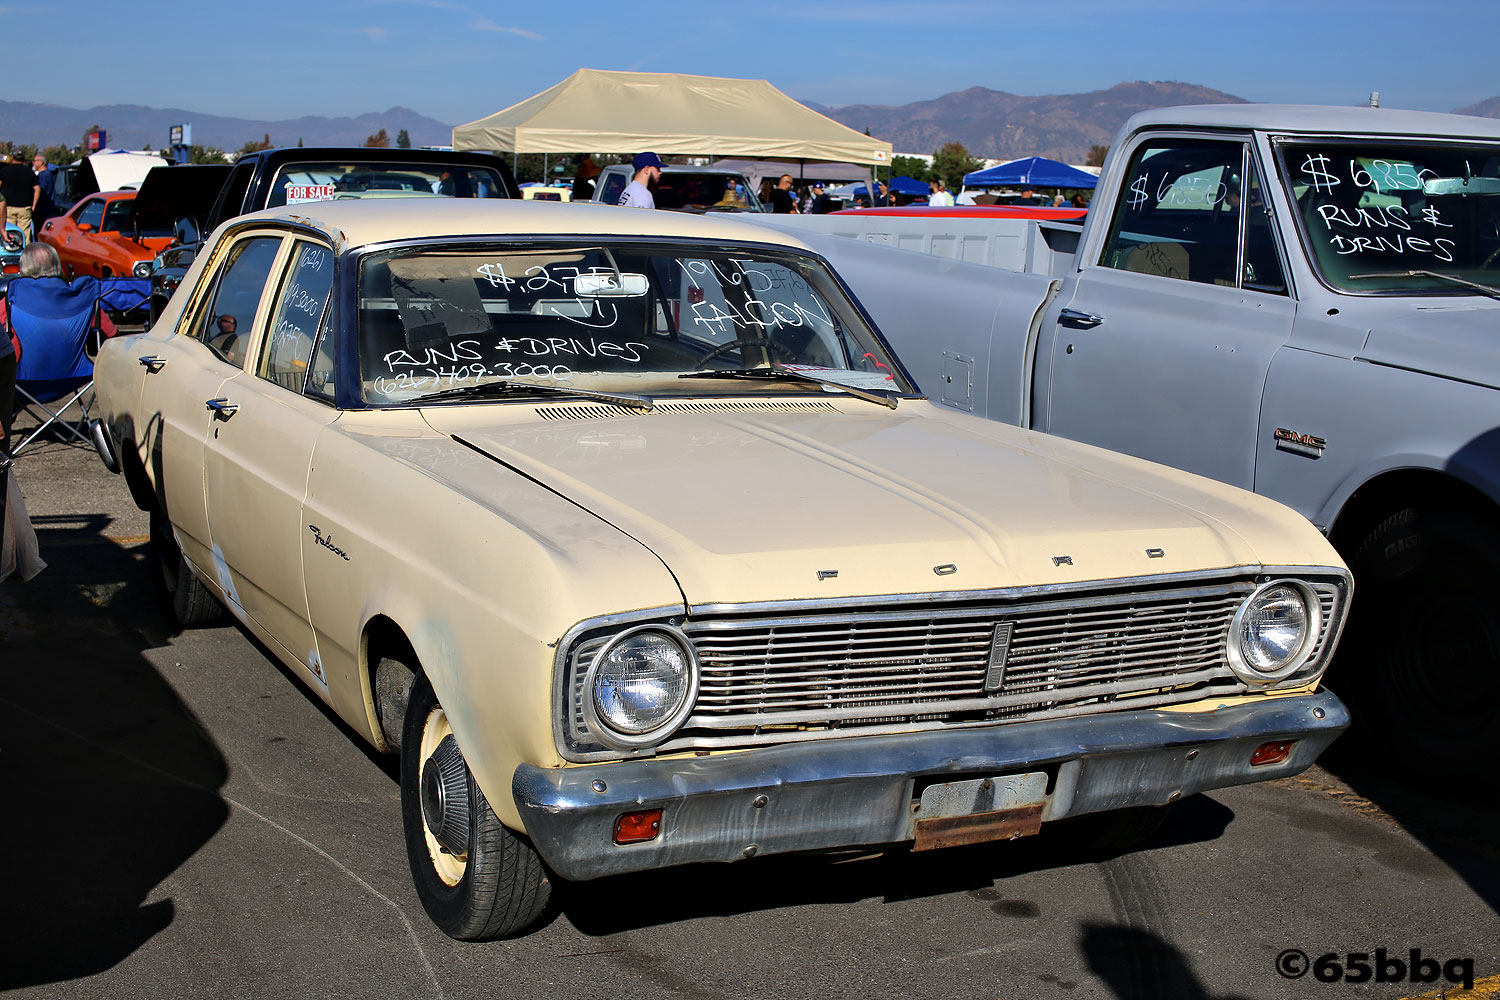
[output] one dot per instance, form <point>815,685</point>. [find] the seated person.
<point>39,261</point>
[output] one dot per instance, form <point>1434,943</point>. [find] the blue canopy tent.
<point>901,185</point>
<point>1036,171</point>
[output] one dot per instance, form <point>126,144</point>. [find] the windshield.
<point>299,183</point>
<point>707,192</point>
<point>613,317</point>
<point>1371,211</point>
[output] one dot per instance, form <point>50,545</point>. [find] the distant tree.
<point>1096,156</point>
<point>403,141</point>
<point>910,166</point>
<point>951,162</point>
<point>299,142</point>
<point>254,147</point>
<point>206,154</point>
<point>60,154</point>
<point>529,167</point>
<point>379,140</point>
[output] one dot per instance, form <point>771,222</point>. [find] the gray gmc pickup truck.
<point>1296,300</point>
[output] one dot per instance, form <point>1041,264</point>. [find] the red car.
<point>98,237</point>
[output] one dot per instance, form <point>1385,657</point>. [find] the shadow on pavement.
<point>110,781</point>
<point>631,902</point>
<point>1140,965</point>
<point>1458,828</point>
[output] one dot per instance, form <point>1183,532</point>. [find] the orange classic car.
<point>100,237</point>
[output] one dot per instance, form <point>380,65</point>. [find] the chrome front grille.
<point>773,678</point>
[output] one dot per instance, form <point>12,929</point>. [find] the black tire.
<point>499,887</point>
<point>183,596</point>
<point>1420,659</point>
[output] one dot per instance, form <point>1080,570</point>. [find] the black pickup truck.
<point>270,178</point>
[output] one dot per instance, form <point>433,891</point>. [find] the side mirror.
<point>185,230</point>
<point>84,227</point>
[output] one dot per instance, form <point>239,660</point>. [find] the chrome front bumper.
<point>856,791</point>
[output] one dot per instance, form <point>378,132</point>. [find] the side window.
<point>288,352</point>
<point>232,195</point>
<point>117,216</point>
<point>1176,217</point>
<point>92,213</point>
<point>224,322</point>
<point>614,186</point>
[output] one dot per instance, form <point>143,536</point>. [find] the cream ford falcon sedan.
<point>628,533</point>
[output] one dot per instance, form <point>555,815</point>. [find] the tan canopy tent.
<point>668,113</point>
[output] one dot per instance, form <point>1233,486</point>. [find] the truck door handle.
<point>1073,317</point>
<point>222,407</point>
<point>152,363</point>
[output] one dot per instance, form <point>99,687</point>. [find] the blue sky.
<point>457,61</point>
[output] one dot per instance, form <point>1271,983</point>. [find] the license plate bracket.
<point>979,810</point>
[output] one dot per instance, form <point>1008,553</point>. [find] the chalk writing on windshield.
<point>560,281</point>
<point>1360,214</point>
<point>555,359</point>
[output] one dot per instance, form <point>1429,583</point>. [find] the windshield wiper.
<point>506,387</point>
<point>792,375</point>
<point>1489,290</point>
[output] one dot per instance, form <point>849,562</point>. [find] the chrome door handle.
<point>1075,318</point>
<point>222,407</point>
<point>152,363</point>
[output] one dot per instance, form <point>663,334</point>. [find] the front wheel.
<point>476,879</point>
<point>1420,662</point>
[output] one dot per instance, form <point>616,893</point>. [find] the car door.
<point>187,368</point>
<point>1163,348</point>
<point>261,445</point>
<point>72,240</point>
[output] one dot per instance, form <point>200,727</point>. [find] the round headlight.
<point>142,269</point>
<point>641,685</point>
<point>1274,632</point>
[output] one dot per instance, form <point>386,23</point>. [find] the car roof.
<point>1316,119</point>
<point>355,222</point>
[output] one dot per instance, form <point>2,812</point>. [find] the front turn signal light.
<point>638,827</point>
<point>1272,753</point>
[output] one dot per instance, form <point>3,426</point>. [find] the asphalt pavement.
<point>183,819</point>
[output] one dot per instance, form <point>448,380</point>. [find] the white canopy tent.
<point>669,114</point>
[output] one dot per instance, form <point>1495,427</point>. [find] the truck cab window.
<point>1180,215</point>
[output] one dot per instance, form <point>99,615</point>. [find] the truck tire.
<point>1421,660</point>
<point>185,599</point>
<point>494,885</point>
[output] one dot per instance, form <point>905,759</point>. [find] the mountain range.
<point>990,123</point>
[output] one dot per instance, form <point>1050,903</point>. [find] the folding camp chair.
<point>54,321</point>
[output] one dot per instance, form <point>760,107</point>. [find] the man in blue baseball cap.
<point>637,193</point>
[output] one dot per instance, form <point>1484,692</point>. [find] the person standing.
<point>939,197</point>
<point>637,193</point>
<point>46,182</point>
<point>781,197</point>
<point>821,203</point>
<point>18,189</point>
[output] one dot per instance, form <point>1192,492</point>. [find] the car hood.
<point>757,505</point>
<point>1454,341</point>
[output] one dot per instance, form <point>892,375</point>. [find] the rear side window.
<point>288,354</point>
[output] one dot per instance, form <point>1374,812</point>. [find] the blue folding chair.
<point>54,321</point>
